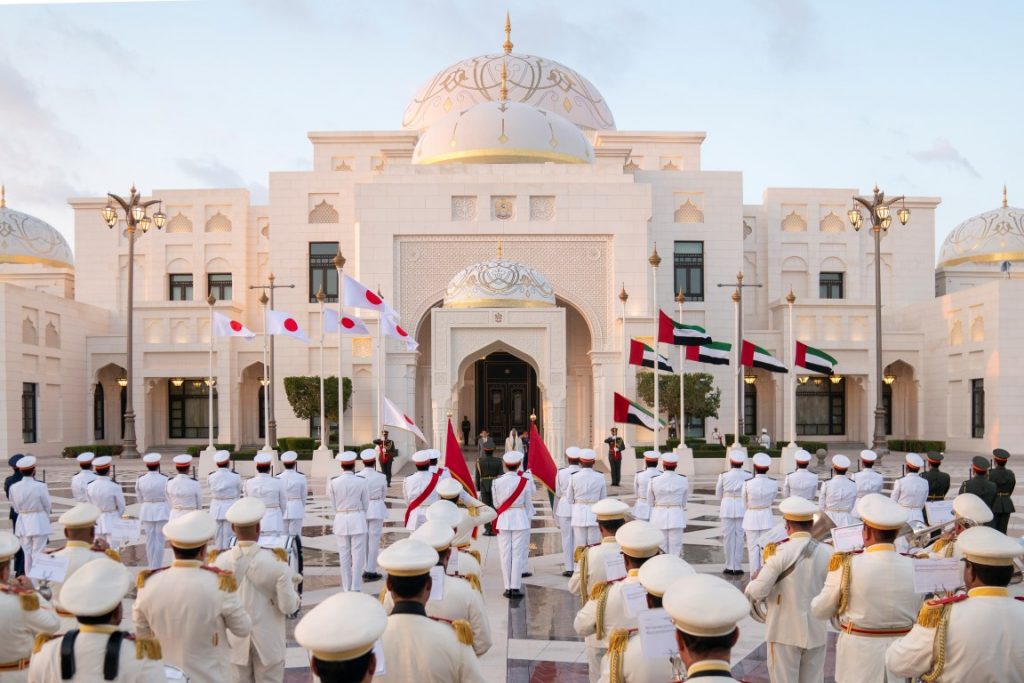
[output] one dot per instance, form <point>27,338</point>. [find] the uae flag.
<point>814,359</point>
<point>754,356</point>
<point>628,412</point>
<point>224,326</point>
<point>671,332</point>
<point>714,353</point>
<point>643,355</point>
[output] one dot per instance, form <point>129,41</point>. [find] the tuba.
<point>820,531</point>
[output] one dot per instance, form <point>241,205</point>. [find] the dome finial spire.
<point>503,93</point>
<point>1004,196</point>
<point>507,45</point>
<point>3,196</point>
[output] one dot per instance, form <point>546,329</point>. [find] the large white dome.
<point>499,283</point>
<point>990,237</point>
<point>25,239</point>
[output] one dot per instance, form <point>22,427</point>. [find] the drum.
<point>173,673</point>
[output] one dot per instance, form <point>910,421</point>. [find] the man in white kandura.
<point>585,488</point>
<point>729,489</point>
<point>85,476</point>
<point>641,482</point>
<point>183,492</point>
<point>563,511</point>
<point>758,495</point>
<point>154,510</point>
<point>513,498</point>
<point>31,500</point>
<point>666,497</point>
<point>349,498</point>
<point>270,490</point>
<point>106,494</point>
<point>801,481</point>
<point>376,513</point>
<point>911,490</point>
<point>838,494</point>
<point>225,489</point>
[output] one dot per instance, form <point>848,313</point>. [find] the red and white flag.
<point>391,328</point>
<point>358,295</point>
<point>279,322</point>
<point>393,417</point>
<point>224,326</point>
<point>344,324</point>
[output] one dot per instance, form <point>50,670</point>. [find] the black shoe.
<point>372,576</point>
<point>516,594</point>
<point>507,594</point>
<point>567,572</point>
<point>490,533</point>
<point>526,574</point>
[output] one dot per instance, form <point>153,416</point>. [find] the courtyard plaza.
<point>534,640</point>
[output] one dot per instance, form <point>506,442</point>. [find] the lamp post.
<point>210,382</point>
<point>655,261</point>
<point>680,300</point>
<point>271,425</point>
<point>135,219</point>
<point>791,377</point>
<point>339,265</point>
<point>881,220</point>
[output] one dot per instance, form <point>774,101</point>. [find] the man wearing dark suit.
<point>488,468</point>
<point>979,483</point>
<point>938,481</point>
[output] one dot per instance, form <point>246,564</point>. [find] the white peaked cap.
<point>669,458</point>
<point>609,508</point>
<point>99,463</point>
<point>762,460</point>
<point>191,530</point>
<point>346,457</point>
<point>445,512</point>
<point>512,458</point>
<point>81,516</point>
<point>802,456</point>
<point>221,456</point>
<point>26,463</point>
<point>868,455</point>
<point>588,454</point>
<point>798,509</point>
<point>651,455</point>
<point>97,588</point>
<point>882,512</point>
<point>263,458</point>
<point>985,545</point>
<point>151,458</point>
<point>407,557</point>
<point>368,454</point>
<point>705,606</point>
<point>85,457</point>
<point>914,460</point>
<point>421,457</point>
<point>319,632</point>
<point>183,459</point>
<point>9,545</point>
<point>572,452</point>
<point>246,512</point>
<point>289,456</point>
<point>841,461</point>
<point>449,487</point>
<point>658,573</point>
<point>639,539</point>
<point>737,456</point>
<point>970,506</point>
<point>437,535</point>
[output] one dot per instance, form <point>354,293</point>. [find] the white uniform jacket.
<point>666,496</point>
<point>184,494</point>
<point>350,499</point>
<point>838,498</point>
<point>377,488</point>
<point>596,573</point>
<point>729,488</point>
<point>413,486</point>
<point>615,614</point>
<point>225,489</point>
<point>271,491</point>
<point>758,495</point>
<point>151,492</point>
<point>911,492</point>
<point>562,507</point>
<point>801,482</point>
<point>417,648</point>
<point>31,500</point>
<point>90,655</point>
<point>460,601</point>
<point>868,481</point>
<point>517,517</point>
<point>19,626</point>
<point>107,495</point>
<point>585,488</point>
<point>641,485</point>
<point>79,483</point>
<point>295,490</point>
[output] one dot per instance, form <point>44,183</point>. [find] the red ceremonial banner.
<point>456,463</point>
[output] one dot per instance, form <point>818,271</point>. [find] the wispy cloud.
<point>790,31</point>
<point>943,153</point>
<point>212,173</point>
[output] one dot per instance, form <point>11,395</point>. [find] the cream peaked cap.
<point>881,512</point>
<point>658,573</point>
<point>449,487</point>
<point>221,456</point>
<point>9,545</point>
<point>81,516</point>
<point>191,530</point>
<point>368,454</point>
<point>798,509</point>
<point>320,633</point>
<point>972,507</point>
<point>985,545</point>
<point>246,512</point>
<point>407,557</point>
<point>445,512</point>
<point>705,606</point>
<point>437,535</point>
<point>289,456</point>
<point>609,508</point>
<point>96,589</point>
<point>639,539</point>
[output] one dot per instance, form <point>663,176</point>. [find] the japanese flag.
<point>391,328</point>
<point>359,296</point>
<point>224,326</point>
<point>344,324</point>
<point>279,322</point>
<point>393,417</point>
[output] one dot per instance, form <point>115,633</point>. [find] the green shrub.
<point>243,456</point>
<point>916,445</point>
<point>812,446</point>
<point>744,439</point>
<point>98,449</point>
<point>296,443</point>
<point>194,451</point>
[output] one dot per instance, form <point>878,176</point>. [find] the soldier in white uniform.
<point>705,611</point>
<point>563,511</point>
<point>625,646</point>
<point>911,490</point>
<point>270,490</point>
<point>590,560</point>
<point>868,480</point>
<point>31,501</point>
<point>585,488</point>
<point>225,489</point>
<point>513,498</point>
<point>839,495</point>
<point>349,497</point>
<point>972,636</point>
<point>801,481</point>
<point>97,650</point>
<point>183,492</point>
<point>154,510</point>
<point>666,498</point>
<point>24,615</point>
<point>419,490</point>
<point>190,607</point>
<point>295,490</point>
<point>871,591</point>
<point>376,512</point>
<point>793,573</point>
<point>343,655</point>
<point>758,495</point>
<point>84,477</point>
<point>266,587</point>
<point>82,547</point>
<point>729,489</point>
<point>641,483</point>
<point>451,490</point>
<point>968,510</point>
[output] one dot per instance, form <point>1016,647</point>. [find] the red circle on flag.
<point>373,298</point>
<point>400,331</point>
<point>407,419</point>
<point>236,326</point>
<point>291,325</point>
<point>347,323</point>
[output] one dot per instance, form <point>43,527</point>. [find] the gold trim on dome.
<point>990,257</point>
<point>34,260</point>
<point>522,155</point>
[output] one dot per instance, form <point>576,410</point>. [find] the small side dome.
<point>499,283</point>
<point>990,237</point>
<point>25,239</point>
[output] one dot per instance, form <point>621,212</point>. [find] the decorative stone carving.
<point>747,230</point>
<point>29,334</point>
<point>323,213</point>
<point>362,347</point>
<point>542,208</point>
<point>671,163</point>
<point>463,208</point>
<point>794,222</point>
<point>831,223</point>
<point>688,212</point>
<point>179,222</point>
<point>218,222</point>
<point>503,208</point>
<point>52,336</point>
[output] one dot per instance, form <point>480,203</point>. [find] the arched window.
<point>99,416</point>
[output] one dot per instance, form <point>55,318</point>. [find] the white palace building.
<point>502,227</point>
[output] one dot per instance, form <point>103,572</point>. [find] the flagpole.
<point>791,379</point>
<point>737,297</point>
<point>380,367</point>
<point>655,261</point>
<point>265,381</point>
<point>339,264</point>
<point>320,296</point>
<point>680,298</point>
<point>623,297</point>
<point>211,299</point>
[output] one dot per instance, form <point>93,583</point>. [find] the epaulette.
<point>598,590</point>
<point>112,554</point>
<point>577,554</point>
<point>463,631</point>
<point>43,639</point>
<point>948,600</point>
<point>475,554</point>
<point>838,557</point>
<point>940,544</point>
<point>212,555</point>
<point>225,580</point>
<point>383,594</point>
<point>932,611</point>
<point>280,554</point>
<point>771,549</point>
<point>617,642</point>
<point>28,597</point>
<point>146,648</point>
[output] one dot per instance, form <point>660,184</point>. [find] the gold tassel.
<point>769,551</point>
<point>476,555</point>
<point>227,582</point>
<point>281,555</point>
<point>140,580</point>
<point>148,648</point>
<point>29,601</point>
<point>41,639</point>
<point>383,594</point>
<point>602,607</point>
<point>577,554</point>
<point>846,561</point>
<point>929,615</point>
<point>939,644</point>
<point>211,556</point>
<point>939,544</point>
<point>474,581</point>
<point>584,562</point>
<point>463,631</point>
<point>473,512</point>
<point>597,591</point>
<point>617,642</point>
<point>836,561</point>
<point>112,554</point>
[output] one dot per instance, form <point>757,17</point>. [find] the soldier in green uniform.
<point>488,468</point>
<point>385,453</point>
<point>979,483</point>
<point>1005,481</point>
<point>938,481</point>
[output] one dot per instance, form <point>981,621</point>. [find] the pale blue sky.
<point>926,100</point>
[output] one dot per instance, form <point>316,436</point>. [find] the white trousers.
<point>585,535</point>
<point>154,543</point>
<point>222,538</point>
<point>513,548</point>
<point>732,540</point>
<point>594,657</point>
<point>375,528</point>
<point>293,527</point>
<point>755,551</point>
<point>568,547</point>
<point>792,664</point>
<point>255,671</point>
<point>351,558</point>
<point>862,658</point>
<point>673,544</point>
<point>31,545</point>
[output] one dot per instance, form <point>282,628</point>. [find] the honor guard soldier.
<point>82,547</point>
<point>705,611</point>
<point>154,511</point>
<point>435,456</point>
<point>938,481</point>
<point>801,481</point>
<point>30,499</point>
<point>666,497</point>
<point>911,490</point>
<point>586,487</point>
<point>641,485</point>
<point>11,480</point>
<point>343,655</point>
<point>266,587</point>
<point>189,607</point>
<point>295,491</point>
<point>590,568</point>
<point>271,491</point>
<point>562,509</point>
<point>758,495</point>
<point>871,592</point>
<point>96,650</point>
<point>376,511</point>
<point>1005,481</point>
<point>225,489</point>
<point>615,448</point>
<point>385,453</point>
<point>459,603</point>
<point>839,495</point>
<point>979,483</point>
<point>85,476</point>
<point>349,497</point>
<point>183,492</point>
<point>417,648</point>
<point>972,636</point>
<point>513,496</point>
<point>606,610</point>
<point>452,490</point>
<point>419,490</point>
<point>625,649</point>
<point>488,468</point>
<point>729,489</point>
<point>793,573</point>
<point>868,480</point>
<point>24,615</point>
<point>968,511</point>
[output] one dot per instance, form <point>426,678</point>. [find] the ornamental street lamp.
<point>881,221</point>
<point>135,219</point>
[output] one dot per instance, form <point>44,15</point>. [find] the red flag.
<point>456,463</point>
<point>542,465</point>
